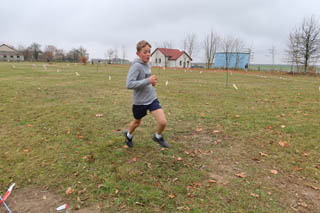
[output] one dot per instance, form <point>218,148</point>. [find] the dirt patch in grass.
<point>37,200</point>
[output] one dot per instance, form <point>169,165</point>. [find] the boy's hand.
<point>153,80</point>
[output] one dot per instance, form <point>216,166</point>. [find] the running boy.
<point>143,82</point>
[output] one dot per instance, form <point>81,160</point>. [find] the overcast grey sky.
<point>99,25</point>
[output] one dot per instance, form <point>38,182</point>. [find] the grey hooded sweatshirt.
<point>143,91</point>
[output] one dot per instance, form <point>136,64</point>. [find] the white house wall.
<point>10,57</point>
<point>158,55</point>
<point>183,58</point>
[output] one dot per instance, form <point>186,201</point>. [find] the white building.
<point>164,57</point>
<point>9,54</point>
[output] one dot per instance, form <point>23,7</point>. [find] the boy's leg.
<point>133,125</point>
<point>128,134</point>
<point>161,120</point>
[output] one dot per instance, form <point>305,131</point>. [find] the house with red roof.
<point>165,57</point>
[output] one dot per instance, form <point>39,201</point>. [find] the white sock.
<point>129,135</point>
<point>158,136</point>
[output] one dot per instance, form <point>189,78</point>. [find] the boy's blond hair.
<point>142,44</point>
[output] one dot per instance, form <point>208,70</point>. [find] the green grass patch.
<point>50,136</point>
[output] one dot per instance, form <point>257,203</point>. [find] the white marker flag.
<point>64,206</point>
<point>235,86</point>
<point>6,195</point>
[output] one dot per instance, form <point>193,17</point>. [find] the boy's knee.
<point>163,122</point>
<point>137,122</point>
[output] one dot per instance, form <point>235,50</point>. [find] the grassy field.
<point>255,149</point>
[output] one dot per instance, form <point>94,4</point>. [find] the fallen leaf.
<point>241,175</point>
<point>263,154</point>
<point>172,196</point>
<point>26,150</point>
<point>134,159</point>
<point>139,204</point>
<point>99,115</point>
<point>303,204</point>
<point>284,143</point>
<point>274,171</point>
<point>79,200</point>
<point>69,191</point>
<point>254,195</point>
<point>237,116</point>
<point>318,166</point>
<point>283,126</point>
<point>212,181</point>
<point>117,191</point>
<point>297,168</point>
<point>82,191</point>
<point>187,153</point>
<point>202,114</point>
<point>198,129</point>
<point>179,159</point>
<point>216,131</point>
<point>255,159</point>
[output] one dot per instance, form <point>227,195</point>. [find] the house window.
<point>5,56</point>
<point>180,63</point>
<point>18,56</point>
<point>156,60</point>
<point>11,56</point>
<point>159,60</point>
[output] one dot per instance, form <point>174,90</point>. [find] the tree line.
<point>209,45</point>
<point>50,53</point>
<point>302,50</point>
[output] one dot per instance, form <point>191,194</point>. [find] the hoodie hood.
<point>138,60</point>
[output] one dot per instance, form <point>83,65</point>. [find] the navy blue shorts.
<point>139,111</point>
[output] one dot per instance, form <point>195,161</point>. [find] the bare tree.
<point>292,51</point>
<point>59,55</point>
<point>189,44</point>
<point>36,51</point>
<point>123,53</point>
<point>239,48</point>
<point>228,47</point>
<point>115,57</point>
<point>109,55</point>
<point>304,42</point>
<point>49,52</point>
<point>211,44</point>
<point>229,44</point>
<point>26,52</point>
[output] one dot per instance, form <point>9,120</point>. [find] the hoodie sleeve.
<point>132,82</point>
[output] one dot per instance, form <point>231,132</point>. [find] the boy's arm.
<point>132,82</point>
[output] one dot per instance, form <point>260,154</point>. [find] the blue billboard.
<point>235,60</point>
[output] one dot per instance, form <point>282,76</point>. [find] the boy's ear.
<point>138,54</point>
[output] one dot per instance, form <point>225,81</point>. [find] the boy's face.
<point>144,54</point>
